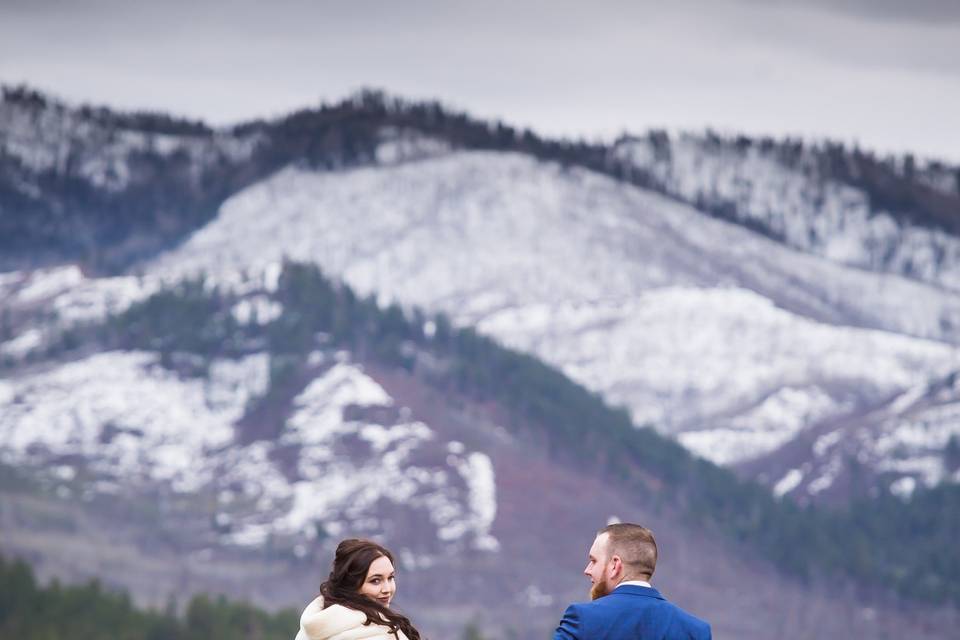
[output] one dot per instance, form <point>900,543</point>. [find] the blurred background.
<point>475,280</point>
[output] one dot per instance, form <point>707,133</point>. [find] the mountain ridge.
<point>810,365</point>
<point>349,134</point>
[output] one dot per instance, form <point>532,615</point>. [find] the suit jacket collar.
<point>635,590</point>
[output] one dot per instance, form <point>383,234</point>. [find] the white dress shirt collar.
<point>635,583</point>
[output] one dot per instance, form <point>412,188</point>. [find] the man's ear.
<point>616,567</point>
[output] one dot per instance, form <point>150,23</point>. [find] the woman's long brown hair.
<point>350,566</point>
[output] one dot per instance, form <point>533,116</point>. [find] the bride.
<point>354,602</point>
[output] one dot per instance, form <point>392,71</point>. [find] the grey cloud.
<point>922,11</point>
<point>561,66</point>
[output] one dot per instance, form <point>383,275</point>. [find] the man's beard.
<point>599,589</point>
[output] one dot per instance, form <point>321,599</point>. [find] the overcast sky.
<point>884,73</point>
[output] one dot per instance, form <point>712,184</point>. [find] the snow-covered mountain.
<point>792,193</point>
<point>819,357</point>
<point>730,341</point>
<point>702,328</point>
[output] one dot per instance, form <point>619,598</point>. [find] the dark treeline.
<point>172,193</point>
<point>891,183</point>
<point>29,611</point>
<point>143,121</point>
<point>857,542</point>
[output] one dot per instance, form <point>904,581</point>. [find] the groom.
<point>625,606</point>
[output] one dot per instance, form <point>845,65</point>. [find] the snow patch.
<point>130,416</point>
<point>22,344</point>
<point>46,283</point>
<point>339,490</point>
<point>903,487</point>
<point>788,483</point>
<point>259,309</point>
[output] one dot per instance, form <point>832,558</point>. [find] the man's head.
<point>620,552</point>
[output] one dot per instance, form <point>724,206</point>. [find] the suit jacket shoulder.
<point>629,613</point>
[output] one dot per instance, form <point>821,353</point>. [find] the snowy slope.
<point>503,228</point>
<point>136,425</point>
<point>808,211</point>
<point>700,327</point>
<point>904,441</point>
<point>51,136</point>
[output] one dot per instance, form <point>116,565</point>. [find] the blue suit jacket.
<point>630,613</point>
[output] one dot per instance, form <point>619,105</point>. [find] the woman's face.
<point>380,584</point>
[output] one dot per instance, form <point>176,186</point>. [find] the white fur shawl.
<point>337,622</point>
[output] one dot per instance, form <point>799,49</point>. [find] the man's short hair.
<point>636,547</point>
